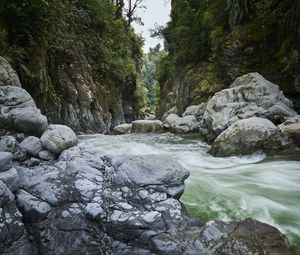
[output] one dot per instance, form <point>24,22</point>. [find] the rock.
<point>10,178</point>
<point>147,126</point>
<point>86,203</point>
<point>10,144</point>
<point>13,236</point>
<point>173,110</point>
<point>18,111</point>
<point>123,129</point>
<point>31,207</point>
<point>186,124</point>
<point>46,155</point>
<point>8,75</point>
<point>32,145</point>
<point>243,137</point>
<point>286,139</point>
<point>58,138</point>
<point>195,110</point>
<point>5,161</point>
<point>250,95</point>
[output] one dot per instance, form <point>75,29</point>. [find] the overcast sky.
<point>157,12</point>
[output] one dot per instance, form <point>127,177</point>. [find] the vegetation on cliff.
<point>220,40</point>
<point>76,55</point>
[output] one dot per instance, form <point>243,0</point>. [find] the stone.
<point>186,124</point>
<point>243,137</point>
<point>152,170</point>
<point>286,139</point>
<point>31,207</point>
<point>18,111</point>
<point>5,161</point>
<point>14,239</point>
<point>32,145</point>
<point>195,110</point>
<point>8,75</point>
<point>10,178</point>
<point>46,155</point>
<point>173,110</point>
<point>123,129</point>
<point>147,126</point>
<point>249,96</point>
<point>58,138</point>
<point>10,144</point>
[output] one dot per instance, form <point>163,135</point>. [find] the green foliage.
<point>238,10</point>
<point>149,74</point>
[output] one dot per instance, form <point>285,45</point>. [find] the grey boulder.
<point>5,161</point>
<point>11,178</point>
<point>147,126</point>
<point>8,75</point>
<point>32,145</point>
<point>10,144</point>
<point>250,95</point>
<point>243,137</point>
<point>58,138</point>
<point>18,111</point>
<point>195,110</point>
<point>184,125</point>
<point>123,129</point>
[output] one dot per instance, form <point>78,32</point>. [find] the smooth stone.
<point>58,138</point>
<point>5,161</point>
<point>32,145</point>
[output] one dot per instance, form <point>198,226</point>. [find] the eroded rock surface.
<point>186,124</point>
<point>8,75</point>
<point>88,202</point>
<point>249,96</point>
<point>19,112</point>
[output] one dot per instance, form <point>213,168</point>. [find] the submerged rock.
<point>186,124</point>
<point>147,126</point>
<point>123,129</point>
<point>58,138</point>
<point>18,111</point>
<point>250,95</point>
<point>243,137</point>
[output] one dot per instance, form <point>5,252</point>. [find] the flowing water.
<point>267,189</point>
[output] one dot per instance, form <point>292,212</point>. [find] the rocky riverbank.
<point>58,198</point>
<point>253,115</point>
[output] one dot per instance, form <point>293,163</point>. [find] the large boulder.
<point>10,144</point>
<point>173,110</point>
<point>123,129</point>
<point>58,138</point>
<point>32,145</point>
<point>186,124</point>
<point>250,95</point>
<point>5,161</point>
<point>147,126</point>
<point>243,137</point>
<point>195,110</point>
<point>286,139</point>
<point>19,112</point>
<point>8,75</point>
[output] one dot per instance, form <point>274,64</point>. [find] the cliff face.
<point>208,54</point>
<point>78,61</point>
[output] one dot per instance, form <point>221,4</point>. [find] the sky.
<point>157,12</point>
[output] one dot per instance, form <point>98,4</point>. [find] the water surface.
<point>267,189</point>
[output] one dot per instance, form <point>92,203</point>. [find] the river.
<point>267,189</point>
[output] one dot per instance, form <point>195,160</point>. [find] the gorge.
<point>191,148</point>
